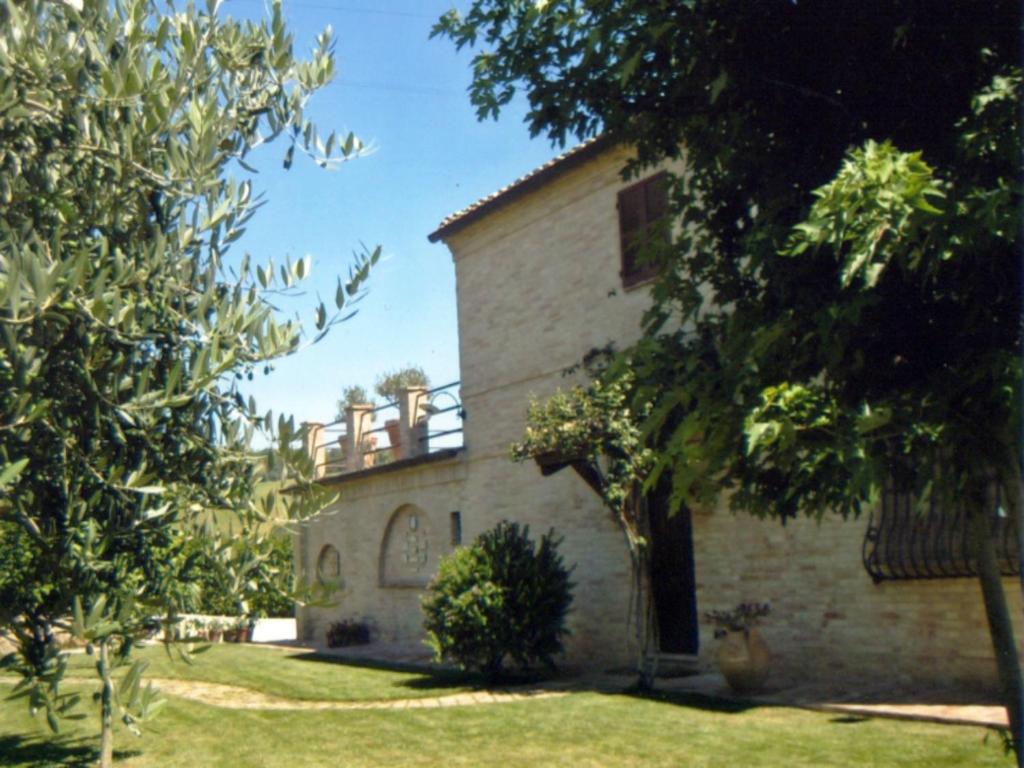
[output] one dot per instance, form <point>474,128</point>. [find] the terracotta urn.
<point>394,437</point>
<point>744,660</point>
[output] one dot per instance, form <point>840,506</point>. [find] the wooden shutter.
<point>642,208</point>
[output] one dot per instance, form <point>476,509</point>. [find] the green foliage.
<point>215,585</point>
<point>739,619</point>
<point>18,574</point>
<point>128,328</point>
<point>353,395</point>
<point>389,384</point>
<point>497,600</point>
<point>881,192</point>
<point>596,425</point>
<point>274,595</point>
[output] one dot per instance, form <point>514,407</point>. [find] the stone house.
<point>541,278</point>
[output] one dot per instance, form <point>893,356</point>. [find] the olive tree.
<point>390,384</point>
<point>127,327</point>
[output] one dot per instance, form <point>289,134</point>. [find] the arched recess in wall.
<point>406,552</point>
<point>328,566</point>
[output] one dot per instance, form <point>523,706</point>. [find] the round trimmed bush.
<point>499,600</point>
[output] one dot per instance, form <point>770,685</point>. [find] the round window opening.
<point>328,565</point>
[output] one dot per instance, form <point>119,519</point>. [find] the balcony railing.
<point>419,422</point>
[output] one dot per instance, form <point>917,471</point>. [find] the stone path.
<point>235,697</point>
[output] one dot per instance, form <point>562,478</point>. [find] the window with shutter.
<point>643,227</point>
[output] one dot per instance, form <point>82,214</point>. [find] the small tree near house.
<point>591,429</point>
<point>353,395</point>
<point>389,385</point>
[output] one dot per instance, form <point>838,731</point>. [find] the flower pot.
<point>744,660</point>
<point>393,427</point>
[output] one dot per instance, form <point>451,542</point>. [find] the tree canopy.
<point>128,328</point>
<point>841,307</point>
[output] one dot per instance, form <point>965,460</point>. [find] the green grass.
<point>292,674</point>
<point>579,730</point>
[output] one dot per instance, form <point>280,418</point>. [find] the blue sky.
<point>406,95</point>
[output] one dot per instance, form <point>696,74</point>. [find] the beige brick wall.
<point>538,285</point>
<point>357,524</point>
<point>538,282</point>
<point>829,619</point>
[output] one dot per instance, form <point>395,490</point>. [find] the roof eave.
<point>522,186</point>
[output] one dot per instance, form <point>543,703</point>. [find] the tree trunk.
<point>646,625</point>
<point>1013,488</point>
<point>106,709</point>
<point>999,625</point>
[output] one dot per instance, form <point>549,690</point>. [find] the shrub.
<point>499,599</point>
<point>341,634</point>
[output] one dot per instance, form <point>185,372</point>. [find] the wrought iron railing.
<point>907,541</point>
<point>446,414</point>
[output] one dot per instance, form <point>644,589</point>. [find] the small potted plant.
<point>215,631</point>
<point>246,625</point>
<point>743,657</point>
<point>237,630</point>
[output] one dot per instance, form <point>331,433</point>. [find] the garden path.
<point>237,697</point>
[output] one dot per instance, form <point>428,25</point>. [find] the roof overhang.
<point>521,186</point>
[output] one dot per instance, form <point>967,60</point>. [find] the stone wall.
<point>390,528</point>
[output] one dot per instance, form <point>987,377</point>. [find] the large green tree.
<point>842,307</point>
<point>127,330</point>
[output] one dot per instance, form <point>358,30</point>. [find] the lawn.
<point>581,729</point>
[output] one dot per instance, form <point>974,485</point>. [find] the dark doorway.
<point>672,576</point>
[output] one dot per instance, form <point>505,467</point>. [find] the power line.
<point>346,9</point>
